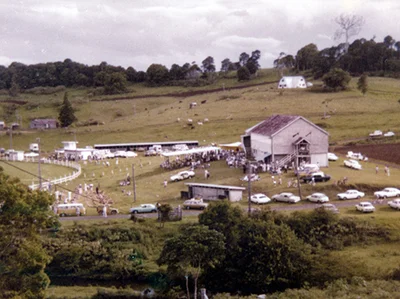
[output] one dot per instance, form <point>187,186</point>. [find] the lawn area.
<point>27,172</point>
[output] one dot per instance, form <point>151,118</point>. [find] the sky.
<point>138,33</point>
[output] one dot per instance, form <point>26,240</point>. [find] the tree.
<point>66,115</point>
<point>208,65</point>
<point>195,249</point>
<point>305,57</point>
<point>225,65</point>
<point>115,83</point>
<point>131,74</point>
<point>157,74</point>
<point>243,74</point>
<point>349,25</point>
<point>23,214</point>
<point>362,83</point>
<point>336,79</point>
<point>243,58</point>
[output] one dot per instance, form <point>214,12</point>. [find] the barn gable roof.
<point>274,124</point>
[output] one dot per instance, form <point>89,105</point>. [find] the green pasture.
<point>350,114</point>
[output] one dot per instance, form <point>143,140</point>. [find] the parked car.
<point>387,192</point>
<point>316,176</point>
<point>144,208</point>
<point>150,152</point>
<point>253,177</point>
<point>125,154</point>
<point>318,197</point>
<point>395,204</point>
<point>332,157</point>
<point>376,133</point>
<point>109,156</point>
<point>356,156</point>
<point>351,194</point>
<point>110,210</point>
<point>389,134</point>
<point>365,207</point>
<point>354,164</point>
<point>183,175</point>
<point>260,198</point>
<point>70,209</point>
<point>307,169</point>
<point>194,204</point>
<point>329,207</point>
<point>286,197</point>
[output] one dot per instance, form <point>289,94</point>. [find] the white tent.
<point>292,82</point>
<point>191,151</point>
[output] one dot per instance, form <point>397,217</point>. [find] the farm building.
<point>71,152</point>
<point>48,123</point>
<point>215,192</point>
<point>292,82</point>
<point>279,139</point>
<point>2,125</point>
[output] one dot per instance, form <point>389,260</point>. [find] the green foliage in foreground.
<point>23,214</point>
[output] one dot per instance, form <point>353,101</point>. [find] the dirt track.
<point>383,152</point>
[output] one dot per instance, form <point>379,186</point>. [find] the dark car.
<point>317,177</point>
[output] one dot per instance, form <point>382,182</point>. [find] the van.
<point>156,147</point>
<point>70,209</point>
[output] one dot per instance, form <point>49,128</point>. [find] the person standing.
<point>78,211</point>
<point>165,183</point>
<point>376,169</point>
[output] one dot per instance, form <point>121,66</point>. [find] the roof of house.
<point>215,186</point>
<point>276,123</point>
<point>44,120</point>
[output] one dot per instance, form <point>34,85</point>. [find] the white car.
<point>259,198</point>
<point>109,156</point>
<point>376,133</point>
<point>353,164</point>
<point>355,156</point>
<point>389,134</point>
<point>332,157</point>
<point>351,194</point>
<point>318,197</point>
<point>395,204</point>
<point>183,175</point>
<point>365,207</point>
<point>286,197</point>
<point>387,192</point>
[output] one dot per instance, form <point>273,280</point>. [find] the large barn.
<point>279,139</point>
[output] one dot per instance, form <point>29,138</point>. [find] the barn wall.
<point>283,141</point>
<point>260,146</point>
<point>235,195</point>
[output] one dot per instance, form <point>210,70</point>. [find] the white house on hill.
<point>292,82</point>
<point>280,138</point>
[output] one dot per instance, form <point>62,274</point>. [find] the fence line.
<point>46,184</point>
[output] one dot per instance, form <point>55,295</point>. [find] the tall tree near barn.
<point>66,116</point>
<point>349,25</point>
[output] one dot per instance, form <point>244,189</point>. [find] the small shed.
<point>47,123</point>
<point>292,82</point>
<point>17,156</point>
<point>2,125</point>
<point>215,192</point>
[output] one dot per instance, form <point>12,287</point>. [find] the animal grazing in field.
<point>190,120</point>
<point>199,123</point>
<point>178,119</point>
<point>192,105</point>
<point>206,120</point>
<point>203,102</point>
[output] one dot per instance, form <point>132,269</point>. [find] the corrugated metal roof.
<point>215,186</point>
<point>272,125</point>
<point>44,120</point>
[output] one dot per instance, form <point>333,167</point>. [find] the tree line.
<point>113,79</point>
<point>361,56</point>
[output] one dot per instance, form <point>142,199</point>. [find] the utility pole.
<point>39,170</point>
<point>133,183</point>
<point>11,143</point>
<point>249,185</point>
